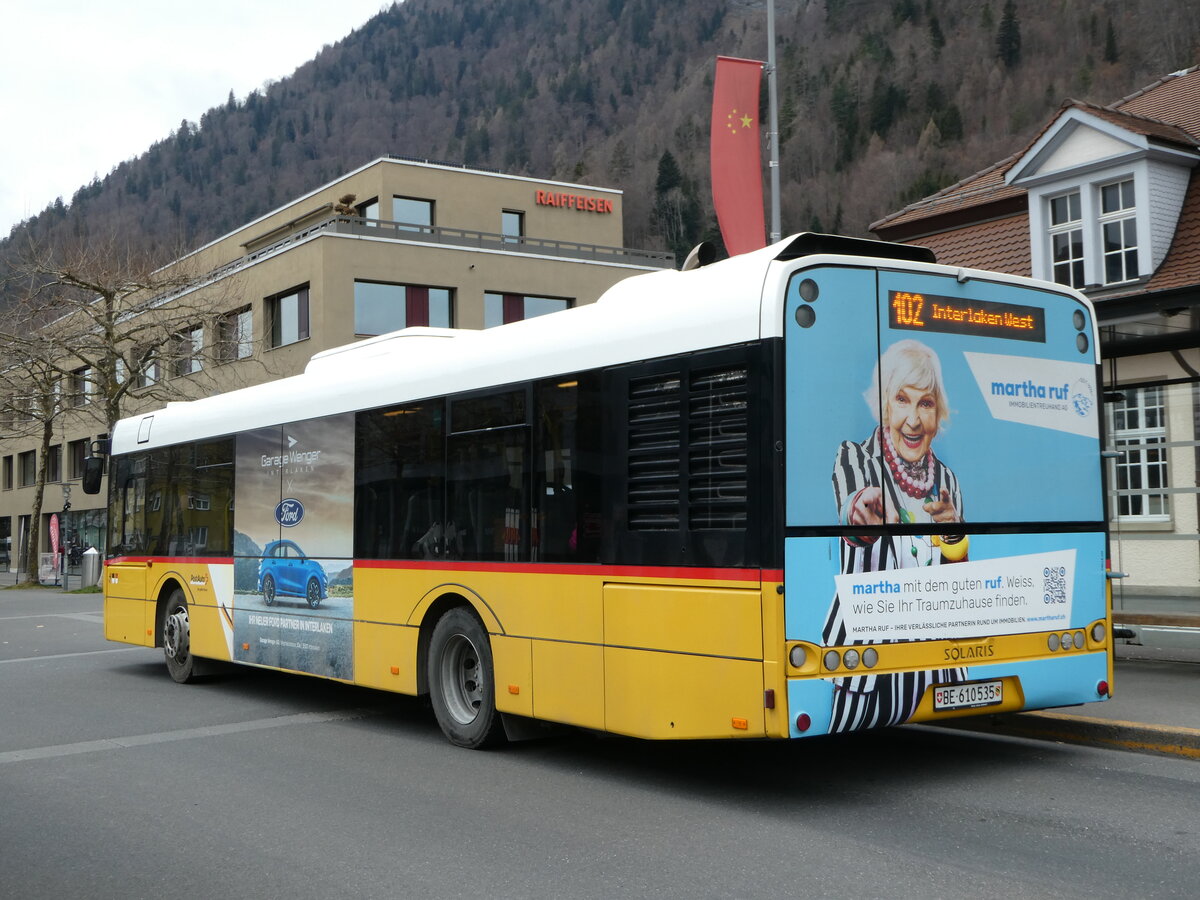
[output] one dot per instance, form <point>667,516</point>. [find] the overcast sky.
<point>86,84</point>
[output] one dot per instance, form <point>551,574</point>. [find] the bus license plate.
<point>968,696</point>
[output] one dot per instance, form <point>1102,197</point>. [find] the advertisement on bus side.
<point>293,603</point>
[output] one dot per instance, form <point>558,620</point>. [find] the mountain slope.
<point>881,101</point>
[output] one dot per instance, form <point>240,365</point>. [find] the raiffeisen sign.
<point>573,201</point>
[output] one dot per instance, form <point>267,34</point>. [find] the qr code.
<point>1054,584</point>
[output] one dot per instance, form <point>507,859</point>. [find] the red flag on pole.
<point>737,154</point>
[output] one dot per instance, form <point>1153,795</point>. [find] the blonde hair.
<point>907,363</point>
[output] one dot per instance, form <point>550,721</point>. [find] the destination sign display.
<point>982,318</point>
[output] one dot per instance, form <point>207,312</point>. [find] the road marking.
<point>69,655</point>
<point>183,734</point>
<point>99,616</point>
<point>91,618</point>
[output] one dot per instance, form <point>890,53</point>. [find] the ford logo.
<point>289,513</point>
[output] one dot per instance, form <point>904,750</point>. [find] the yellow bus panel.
<point>385,656</point>
<point>713,621</point>
<point>673,695</point>
<point>569,683</point>
<point>512,667</point>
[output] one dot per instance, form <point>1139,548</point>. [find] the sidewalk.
<point>68,582</point>
<point>1155,706</point>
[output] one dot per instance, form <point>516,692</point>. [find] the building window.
<point>288,315</point>
<point>54,463</point>
<point>76,454</point>
<point>1118,228</point>
<point>380,308</point>
<point>512,226</point>
<point>235,335</point>
<point>82,386</point>
<point>188,346</point>
<point>413,212</point>
<point>1138,427</point>
<point>24,409</point>
<point>8,473</point>
<point>501,309</point>
<point>1066,239</point>
<point>151,374</point>
<point>27,468</point>
<point>369,210</point>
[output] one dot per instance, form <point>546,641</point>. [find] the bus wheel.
<point>177,639</point>
<point>314,593</point>
<point>268,590</point>
<point>461,684</point>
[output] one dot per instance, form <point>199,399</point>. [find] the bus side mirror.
<point>93,474</point>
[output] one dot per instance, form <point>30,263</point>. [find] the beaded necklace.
<point>908,476</point>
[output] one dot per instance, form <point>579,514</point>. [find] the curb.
<point>1138,737</point>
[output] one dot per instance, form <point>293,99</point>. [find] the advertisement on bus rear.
<point>293,601</point>
<point>955,423</point>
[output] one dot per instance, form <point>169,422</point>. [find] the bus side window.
<point>487,478</point>
<point>127,506</point>
<point>568,469</point>
<point>400,482</point>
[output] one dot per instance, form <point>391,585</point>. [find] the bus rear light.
<point>1080,640</point>
<point>870,657</point>
<point>1102,689</point>
<point>851,659</point>
<point>803,722</point>
<point>1052,642</point>
<point>832,660</point>
<point>1067,640</point>
<point>1098,632</point>
<point>797,657</point>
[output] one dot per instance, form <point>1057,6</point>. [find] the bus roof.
<point>733,301</point>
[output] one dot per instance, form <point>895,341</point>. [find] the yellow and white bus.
<point>824,486</point>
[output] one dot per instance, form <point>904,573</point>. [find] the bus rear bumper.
<point>1026,685</point>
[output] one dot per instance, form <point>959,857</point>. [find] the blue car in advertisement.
<point>285,571</point>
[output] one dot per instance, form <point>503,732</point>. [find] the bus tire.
<point>461,681</point>
<point>313,593</point>
<point>268,590</point>
<point>177,638</point>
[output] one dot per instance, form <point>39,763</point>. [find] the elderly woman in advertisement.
<point>894,478</point>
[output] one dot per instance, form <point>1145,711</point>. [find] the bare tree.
<point>97,330</point>
<point>31,409</point>
<point>120,329</point>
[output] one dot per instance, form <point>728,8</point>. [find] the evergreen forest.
<point>881,102</point>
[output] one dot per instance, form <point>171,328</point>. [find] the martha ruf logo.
<point>289,513</point>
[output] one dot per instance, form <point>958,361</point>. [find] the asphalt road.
<point>116,782</point>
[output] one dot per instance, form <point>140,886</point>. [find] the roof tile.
<point>1000,245</point>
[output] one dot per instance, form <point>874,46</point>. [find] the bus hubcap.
<point>461,676</point>
<point>177,634</point>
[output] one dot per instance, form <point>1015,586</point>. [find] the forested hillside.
<point>882,101</point>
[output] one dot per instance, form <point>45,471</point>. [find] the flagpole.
<point>773,132</point>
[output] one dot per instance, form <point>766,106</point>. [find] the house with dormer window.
<point>1106,199</point>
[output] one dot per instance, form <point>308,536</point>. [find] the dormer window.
<point>1105,190</point>
<point>1066,239</point>
<point>1118,226</point>
<point>1091,231</point>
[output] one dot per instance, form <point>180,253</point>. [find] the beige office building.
<point>417,243</point>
